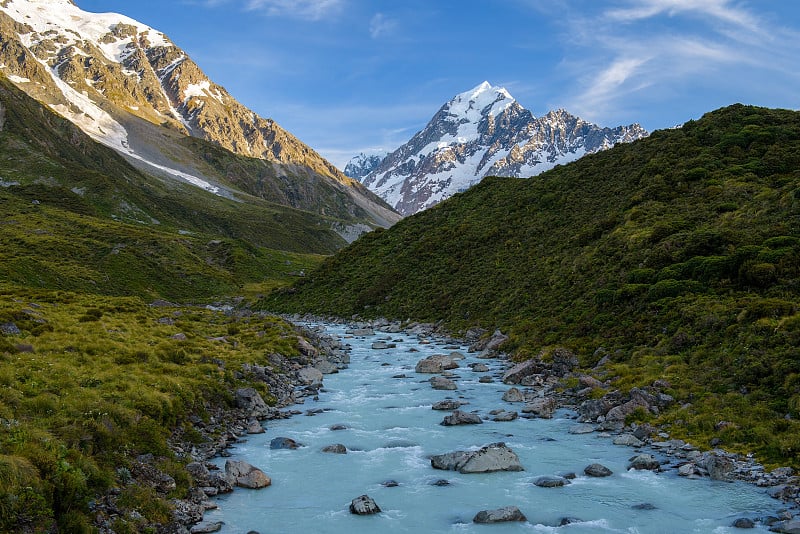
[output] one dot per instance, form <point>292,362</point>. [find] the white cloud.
<point>640,52</point>
<point>304,9</point>
<point>380,25</point>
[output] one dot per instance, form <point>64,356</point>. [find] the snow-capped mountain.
<point>131,88</point>
<point>484,132</point>
<point>360,166</point>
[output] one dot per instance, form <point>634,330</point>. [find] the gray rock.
<point>436,363</point>
<point>581,429</point>
<point>338,448</point>
<point>309,376</point>
<point>513,395</point>
<point>245,475</point>
<point>360,332</point>
<point>480,368</point>
<point>548,481</point>
<point>283,443</point>
<point>543,407</point>
<point>719,467</point>
<point>500,515</point>
<point>504,416</point>
<point>688,470</point>
<point>486,379</point>
<point>10,329</point>
<point>206,527</point>
<point>306,348</point>
<point>459,417</point>
<point>254,427</point>
<point>644,462</point>
<point>440,382</point>
<point>628,440</point>
<point>744,522</point>
<point>591,409</point>
<point>250,401</point>
<point>382,345</point>
<point>326,367</point>
<point>597,470</point>
<point>488,459</point>
<point>448,405</point>
<point>791,526</point>
<point>516,374</point>
<point>364,505</point>
<point>564,361</point>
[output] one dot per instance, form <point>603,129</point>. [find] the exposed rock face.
<point>364,505</point>
<point>126,84</point>
<point>488,459</point>
<point>245,475</point>
<point>500,515</point>
<point>484,132</point>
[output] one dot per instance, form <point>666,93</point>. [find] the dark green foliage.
<point>683,247</point>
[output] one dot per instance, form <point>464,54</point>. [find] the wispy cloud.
<point>303,9</point>
<point>639,50</point>
<point>380,25</point>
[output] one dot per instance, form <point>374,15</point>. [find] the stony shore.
<point>535,385</point>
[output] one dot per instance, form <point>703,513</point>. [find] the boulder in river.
<point>503,416</point>
<point>448,405</point>
<point>500,515</point>
<point>719,466</point>
<point>744,522</point>
<point>244,475</point>
<point>628,440</point>
<point>309,376</point>
<point>644,462</point>
<point>543,407</point>
<point>436,363</point>
<point>364,505</point>
<point>548,481</point>
<point>283,443</point>
<point>337,448</point>
<point>597,470</point>
<point>488,459</point>
<point>459,417</point>
<point>440,382</point>
<point>206,527</point>
<point>513,395</point>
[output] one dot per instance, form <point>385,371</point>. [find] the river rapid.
<point>390,431</point>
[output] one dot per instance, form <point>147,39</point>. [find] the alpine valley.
<point>152,228</point>
<point>481,132</point>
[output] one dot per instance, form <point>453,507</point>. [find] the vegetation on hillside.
<point>677,256</point>
<point>47,159</point>
<point>88,383</point>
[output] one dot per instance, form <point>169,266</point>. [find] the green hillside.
<point>677,255</point>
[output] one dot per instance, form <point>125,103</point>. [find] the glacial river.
<point>391,431</point>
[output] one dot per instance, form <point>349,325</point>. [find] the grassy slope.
<point>679,255</point>
<point>90,382</point>
<point>50,160</point>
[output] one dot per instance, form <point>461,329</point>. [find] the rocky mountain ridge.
<point>131,88</point>
<point>484,132</point>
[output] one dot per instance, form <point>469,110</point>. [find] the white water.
<point>391,433</point>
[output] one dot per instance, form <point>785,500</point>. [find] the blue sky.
<point>347,76</point>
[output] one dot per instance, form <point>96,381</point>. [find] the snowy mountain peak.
<point>484,132</point>
<point>473,104</point>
